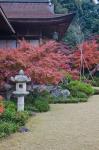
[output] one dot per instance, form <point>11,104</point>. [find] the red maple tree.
<point>90,55</point>
<point>48,63</point>
<point>43,64</point>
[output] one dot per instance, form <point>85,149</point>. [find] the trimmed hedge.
<point>42,105</point>
<point>75,86</point>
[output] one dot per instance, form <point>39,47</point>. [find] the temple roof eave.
<point>55,19</point>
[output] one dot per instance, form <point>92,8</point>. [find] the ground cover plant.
<point>10,119</point>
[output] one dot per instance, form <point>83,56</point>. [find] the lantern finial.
<point>21,72</point>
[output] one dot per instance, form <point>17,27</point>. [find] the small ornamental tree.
<point>90,52</point>
<point>44,64</point>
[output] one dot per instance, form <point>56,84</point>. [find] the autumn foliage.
<point>46,64</point>
<point>1,105</point>
<point>90,54</point>
<point>43,64</point>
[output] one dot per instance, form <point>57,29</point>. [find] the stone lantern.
<point>21,79</point>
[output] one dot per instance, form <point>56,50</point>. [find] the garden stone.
<point>38,87</point>
<point>54,90</point>
<point>8,90</point>
<point>65,93</point>
<point>57,92</point>
<point>23,129</point>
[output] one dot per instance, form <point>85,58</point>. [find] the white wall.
<point>7,44</point>
<point>13,43</point>
<point>34,42</point>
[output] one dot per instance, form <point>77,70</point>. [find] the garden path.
<point>65,127</point>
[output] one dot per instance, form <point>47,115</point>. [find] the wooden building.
<point>33,20</point>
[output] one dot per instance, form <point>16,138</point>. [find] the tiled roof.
<point>33,1</point>
<point>29,10</point>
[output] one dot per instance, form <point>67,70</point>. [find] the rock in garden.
<point>58,92</point>
<point>23,129</point>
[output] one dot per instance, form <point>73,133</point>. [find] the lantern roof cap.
<point>20,78</point>
<point>21,72</point>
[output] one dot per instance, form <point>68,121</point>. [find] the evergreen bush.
<point>42,105</point>
<point>75,86</point>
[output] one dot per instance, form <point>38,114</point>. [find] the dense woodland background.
<point>86,22</point>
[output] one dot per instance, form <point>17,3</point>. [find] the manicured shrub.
<point>75,86</point>
<point>35,96</point>
<point>42,105</point>
<point>45,95</point>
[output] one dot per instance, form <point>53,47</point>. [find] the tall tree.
<point>87,18</point>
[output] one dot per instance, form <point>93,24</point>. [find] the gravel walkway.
<point>65,127</point>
